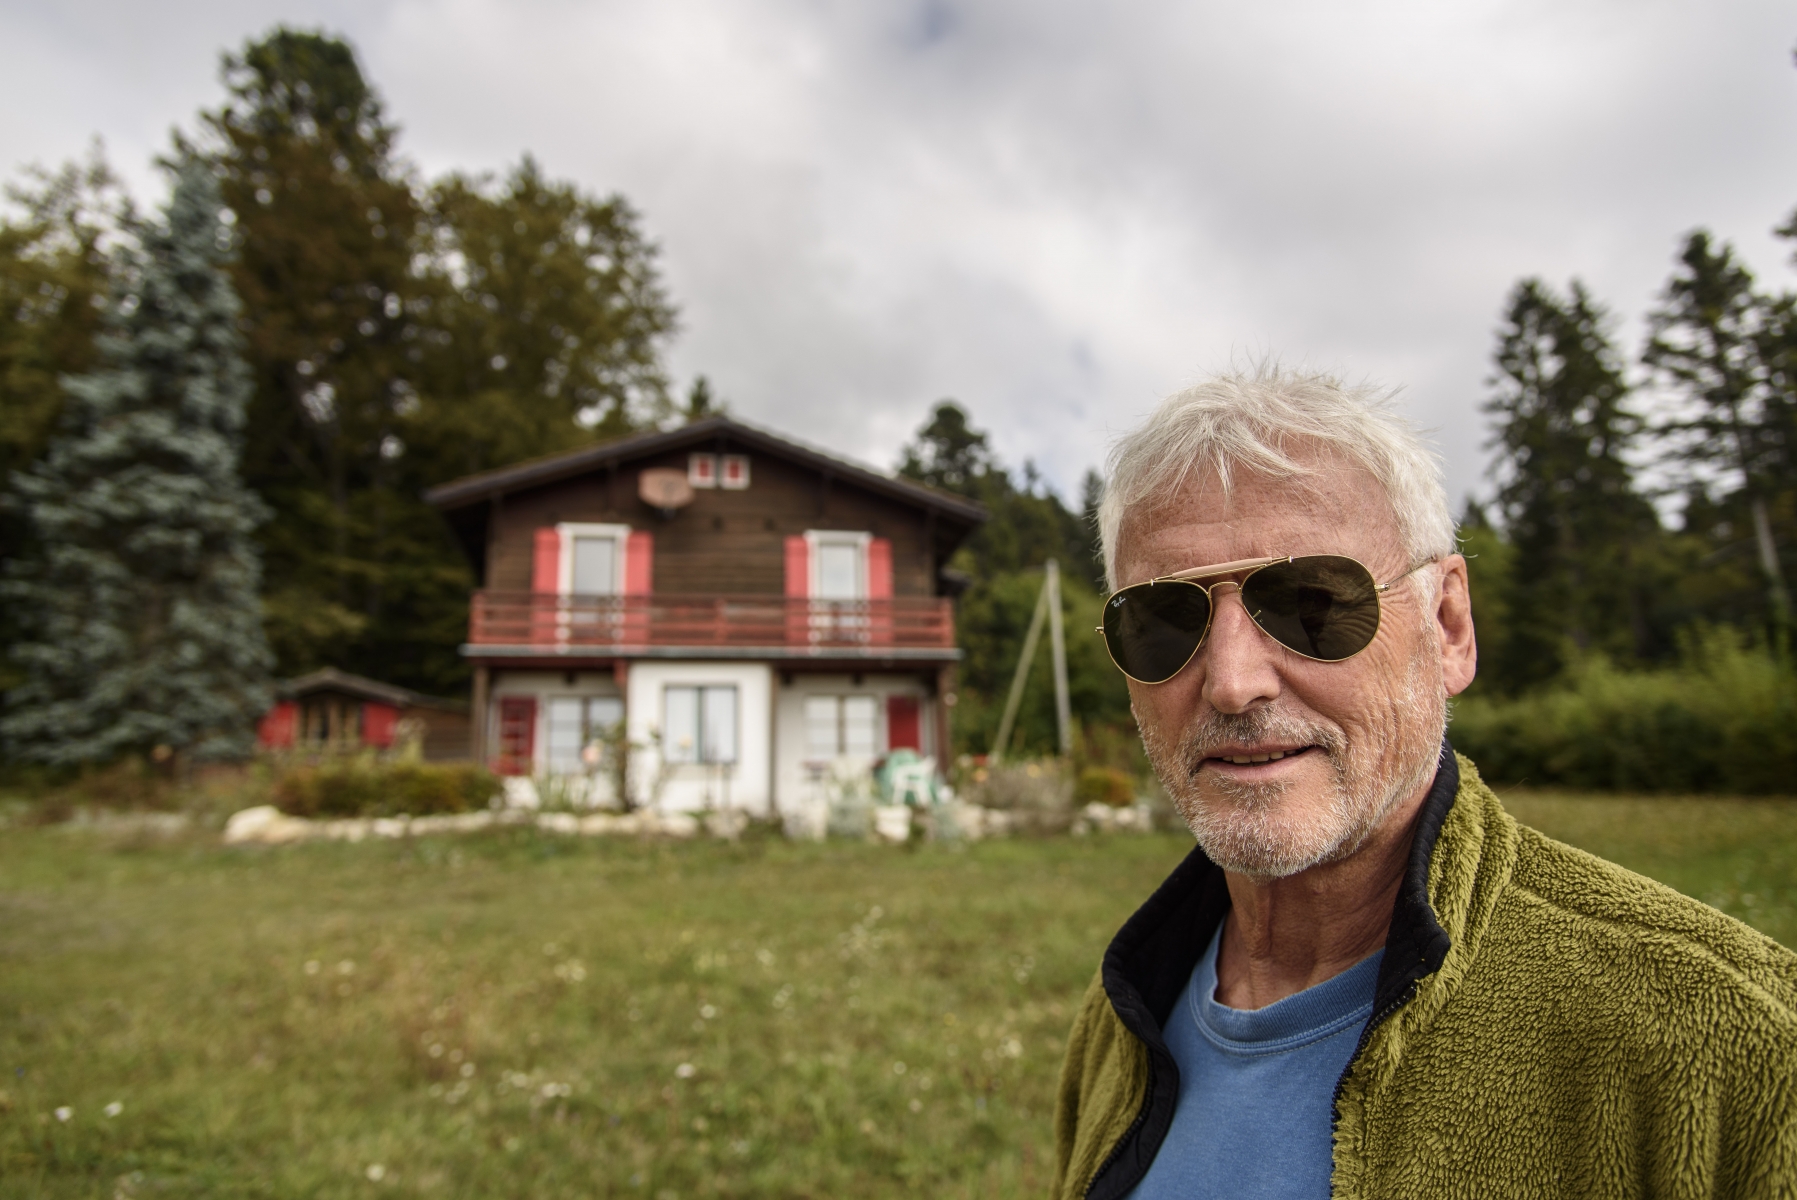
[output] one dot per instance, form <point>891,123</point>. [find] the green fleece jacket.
<point>1545,1024</point>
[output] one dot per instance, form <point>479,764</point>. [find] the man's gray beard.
<point>1245,827</point>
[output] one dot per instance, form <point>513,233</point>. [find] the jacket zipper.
<point>1129,1134</point>
<point>1366,1034</point>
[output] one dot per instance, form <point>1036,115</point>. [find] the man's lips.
<point>1245,756</point>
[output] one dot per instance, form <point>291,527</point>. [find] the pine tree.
<point>142,627</point>
<point>1566,490</point>
<point>1724,347</point>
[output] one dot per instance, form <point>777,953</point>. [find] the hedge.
<point>355,788</point>
<point>1723,720</point>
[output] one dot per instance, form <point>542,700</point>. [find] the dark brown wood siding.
<point>724,542</point>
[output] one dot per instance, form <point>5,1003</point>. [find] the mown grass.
<point>520,1015</point>
<point>858,1020</point>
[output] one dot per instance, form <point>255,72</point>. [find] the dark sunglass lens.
<point>1323,606</point>
<point>1153,628</point>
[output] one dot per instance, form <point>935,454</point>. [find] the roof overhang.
<point>489,485</point>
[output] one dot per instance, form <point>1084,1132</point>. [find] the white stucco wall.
<point>689,788</point>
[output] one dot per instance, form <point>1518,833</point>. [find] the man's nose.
<point>1238,657</point>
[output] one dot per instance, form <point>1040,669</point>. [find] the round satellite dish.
<point>665,488</point>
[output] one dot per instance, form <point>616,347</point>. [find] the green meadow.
<point>523,1015</point>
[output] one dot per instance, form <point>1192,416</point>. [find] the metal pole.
<point>1023,669</point>
<point>1057,644</point>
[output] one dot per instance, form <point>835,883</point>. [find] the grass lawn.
<point>519,1015</point>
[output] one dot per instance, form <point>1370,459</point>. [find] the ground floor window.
<point>838,726</point>
<point>700,724</point>
<point>576,723</point>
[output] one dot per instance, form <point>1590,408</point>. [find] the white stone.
<point>521,792</point>
<point>892,822</point>
<point>265,825</point>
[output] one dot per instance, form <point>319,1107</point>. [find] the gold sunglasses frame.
<point>1251,566</point>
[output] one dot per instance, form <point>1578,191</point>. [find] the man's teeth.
<point>1245,759</point>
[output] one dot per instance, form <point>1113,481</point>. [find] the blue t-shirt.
<point>1257,1088</point>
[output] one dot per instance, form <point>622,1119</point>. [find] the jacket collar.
<point>1152,956</point>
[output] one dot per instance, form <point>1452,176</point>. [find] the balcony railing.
<point>624,624</point>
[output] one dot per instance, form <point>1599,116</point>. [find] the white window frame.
<point>839,702</point>
<point>589,732</point>
<point>702,470</point>
<point>816,539</point>
<point>727,461</point>
<point>699,690</point>
<point>567,531</point>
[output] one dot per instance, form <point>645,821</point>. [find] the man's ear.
<point>1453,619</point>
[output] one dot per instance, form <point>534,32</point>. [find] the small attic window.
<point>735,471</point>
<point>702,470</point>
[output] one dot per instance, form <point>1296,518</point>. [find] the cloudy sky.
<point>1055,212</point>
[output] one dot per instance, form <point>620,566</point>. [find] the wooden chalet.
<point>334,711</point>
<point>752,613</point>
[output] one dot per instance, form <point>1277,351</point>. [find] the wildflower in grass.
<point>436,1050</point>
<point>312,966</point>
<point>898,1068</point>
<point>765,957</point>
<point>113,1109</point>
<point>708,1011</point>
<point>467,1070</point>
<point>64,1113</point>
<point>346,967</point>
<point>916,1105</point>
<point>375,1172</point>
<point>685,1071</point>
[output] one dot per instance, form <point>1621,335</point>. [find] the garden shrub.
<point>359,788</point>
<point>1039,795</point>
<point>1723,720</point>
<point>1105,785</point>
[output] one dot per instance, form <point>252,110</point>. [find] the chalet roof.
<point>330,679</point>
<point>476,489</point>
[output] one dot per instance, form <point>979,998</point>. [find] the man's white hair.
<point>1257,422</point>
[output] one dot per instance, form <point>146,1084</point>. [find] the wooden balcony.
<point>537,624</point>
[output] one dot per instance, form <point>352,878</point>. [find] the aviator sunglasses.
<point>1322,606</point>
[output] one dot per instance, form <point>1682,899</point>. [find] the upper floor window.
<point>592,559</point>
<point>838,565</point>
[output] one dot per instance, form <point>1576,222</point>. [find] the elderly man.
<point>1367,979</point>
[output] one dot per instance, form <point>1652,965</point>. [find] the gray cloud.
<point>1056,212</point>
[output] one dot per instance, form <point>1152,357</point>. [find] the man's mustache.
<point>1216,732</point>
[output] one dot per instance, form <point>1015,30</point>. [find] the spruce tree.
<point>1574,519</point>
<point>139,608</point>
<point>1727,349</point>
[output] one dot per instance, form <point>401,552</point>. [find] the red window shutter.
<point>879,569</point>
<point>902,725</point>
<point>546,561</point>
<point>517,740</point>
<point>378,722</point>
<point>639,563</point>
<point>278,725</point>
<point>798,589</point>
<point>798,568</point>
